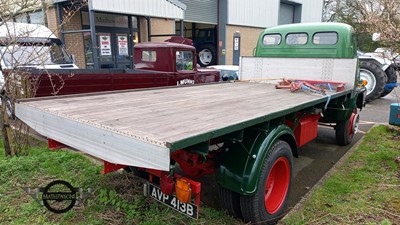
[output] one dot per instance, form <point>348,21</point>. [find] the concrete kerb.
<point>303,200</point>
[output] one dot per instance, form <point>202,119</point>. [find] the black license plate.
<point>189,209</point>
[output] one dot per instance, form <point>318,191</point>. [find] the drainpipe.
<point>148,28</point>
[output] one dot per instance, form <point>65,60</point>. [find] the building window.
<point>87,44</point>
<point>296,39</point>
<point>30,17</point>
<point>272,39</point>
<point>325,38</point>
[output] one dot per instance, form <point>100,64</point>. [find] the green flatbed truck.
<point>245,132</point>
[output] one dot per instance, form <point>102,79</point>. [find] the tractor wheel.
<point>345,130</point>
<point>207,55</point>
<point>391,78</point>
<point>375,77</point>
<point>230,201</point>
<point>268,204</point>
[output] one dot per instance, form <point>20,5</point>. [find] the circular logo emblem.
<point>59,196</point>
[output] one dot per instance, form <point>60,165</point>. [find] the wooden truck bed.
<point>141,127</point>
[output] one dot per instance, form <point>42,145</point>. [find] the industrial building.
<point>102,33</point>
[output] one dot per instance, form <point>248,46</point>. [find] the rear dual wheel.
<point>267,205</point>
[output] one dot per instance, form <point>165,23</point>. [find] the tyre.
<point>375,77</point>
<point>268,204</point>
<point>391,78</point>
<point>345,130</point>
<point>207,55</point>
<point>230,201</point>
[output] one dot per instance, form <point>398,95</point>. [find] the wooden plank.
<point>172,114</point>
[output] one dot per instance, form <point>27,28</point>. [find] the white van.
<point>31,45</point>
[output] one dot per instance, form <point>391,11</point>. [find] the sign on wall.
<point>123,45</point>
<point>105,45</point>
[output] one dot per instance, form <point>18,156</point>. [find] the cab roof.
<point>310,27</point>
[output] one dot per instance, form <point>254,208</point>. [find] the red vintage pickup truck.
<point>157,64</point>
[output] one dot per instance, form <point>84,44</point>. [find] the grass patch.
<point>364,190</point>
<point>117,200</point>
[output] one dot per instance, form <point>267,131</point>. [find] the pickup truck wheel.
<point>375,77</point>
<point>268,204</point>
<point>345,130</point>
<point>230,201</point>
<point>391,78</point>
<point>207,55</point>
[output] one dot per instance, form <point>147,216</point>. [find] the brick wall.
<point>158,26</point>
<point>74,41</point>
<point>52,21</point>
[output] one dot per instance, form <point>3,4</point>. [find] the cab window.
<point>325,38</point>
<point>272,39</point>
<point>296,39</point>
<point>184,60</point>
<point>149,56</point>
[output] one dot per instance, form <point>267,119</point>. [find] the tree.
<point>368,17</point>
<point>19,54</point>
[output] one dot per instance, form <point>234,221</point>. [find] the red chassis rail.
<point>167,179</point>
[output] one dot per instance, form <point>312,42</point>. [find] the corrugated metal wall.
<point>153,8</point>
<point>265,13</point>
<point>311,10</point>
<point>256,13</point>
<point>201,11</point>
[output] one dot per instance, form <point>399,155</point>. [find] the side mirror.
<point>376,36</point>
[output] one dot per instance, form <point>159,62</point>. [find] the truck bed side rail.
<point>271,69</point>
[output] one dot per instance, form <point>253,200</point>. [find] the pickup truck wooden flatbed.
<point>156,121</point>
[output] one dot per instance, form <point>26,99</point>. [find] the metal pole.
<point>181,28</point>
<point>95,53</point>
<point>148,28</point>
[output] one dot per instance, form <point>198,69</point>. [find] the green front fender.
<point>240,167</point>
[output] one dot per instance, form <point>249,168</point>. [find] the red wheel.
<point>268,203</point>
<point>345,130</point>
<point>277,185</point>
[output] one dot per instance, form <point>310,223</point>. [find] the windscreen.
<point>34,54</point>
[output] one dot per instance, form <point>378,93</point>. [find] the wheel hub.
<point>277,185</point>
<point>205,56</point>
<point>355,123</point>
<point>370,78</point>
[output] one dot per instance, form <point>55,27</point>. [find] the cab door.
<point>184,65</point>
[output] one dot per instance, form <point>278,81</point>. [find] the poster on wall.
<point>105,45</point>
<point>122,45</point>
